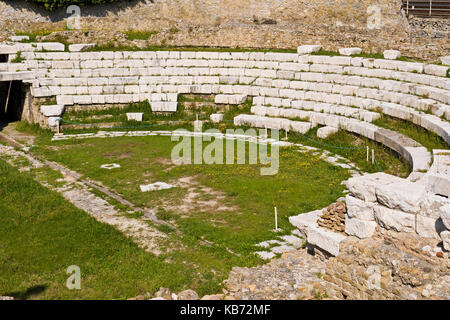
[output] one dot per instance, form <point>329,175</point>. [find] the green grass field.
<point>47,234</point>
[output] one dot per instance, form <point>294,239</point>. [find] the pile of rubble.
<point>333,217</point>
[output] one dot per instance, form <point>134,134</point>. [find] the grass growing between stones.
<point>353,148</point>
<point>428,139</point>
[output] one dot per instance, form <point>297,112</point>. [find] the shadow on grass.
<point>24,295</point>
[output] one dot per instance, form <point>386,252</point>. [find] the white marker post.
<point>276,219</point>
<point>373,156</point>
<point>367,159</point>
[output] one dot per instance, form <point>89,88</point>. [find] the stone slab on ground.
<point>307,49</point>
<point>349,51</point>
<point>81,46</point>
<point>156,186</point>
<point>392,54</point>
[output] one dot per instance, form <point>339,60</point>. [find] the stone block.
<point>307,49</point>
<point>81,47</point>
<point>53,121</point>
<point>349,51</point>
<point>164,106</point>
<point>363,187</point>
<point>136,116</point>
<point>445,60</point>
<point>394,219</point>
<point>359,228</point>
<point>445,236</point>
<point>445,215</point>
<point>392,54</point>
<point>19,38</point>
<point>430,206</point>
<point>325,132</point>
<point>359,209</point>
<point>403,195</point>
<point>216,117</point>
<point>52,110</point>
<point>429,227</point>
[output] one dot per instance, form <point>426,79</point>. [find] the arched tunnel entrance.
<point>12,100</point>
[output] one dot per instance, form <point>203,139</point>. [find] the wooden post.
<point>7,97</point>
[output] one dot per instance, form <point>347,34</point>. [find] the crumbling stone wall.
<point>390,265</point>
<point>373,25</point>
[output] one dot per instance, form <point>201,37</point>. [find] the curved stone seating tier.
<point>417,155</point>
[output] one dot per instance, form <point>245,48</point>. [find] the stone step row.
<point>281,71</point>
<point>233,76</point>
<point>29,50</point>
<point>417,155</point>
<point>134,93</point>
<point>307,108</point>
<point>406,99</point>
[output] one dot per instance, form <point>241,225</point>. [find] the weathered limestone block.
<point>325,132</point>
<point>325,240</point>
<point>305,221</point>
<point>392,54</point>
<point>445,215</point>
<point>429,227</point>
<point>440,71</point>
<point>299,126</point>
<point>19,38</point>
<point>164,106</point>
<point>136,116</point>
<point>50,46</point>
<point>230,99</point>
<point>445,60</point>
<point>394,219</point>
<point>80,47</point>
<point>52,110</point>
<point>359,209</point>
<point>349,51</point>
<point>420,157</point>
<point>307,49</point>
<point>445,236</point>
<point>363,187</point>
<point>359,228</point>
<point>403,195</point>
<point>430,206</point>
<point>53,121</point>
<point>216,117</point>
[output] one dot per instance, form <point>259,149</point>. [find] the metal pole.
<point>7,97</point>
<point>431,5</point>
<point>407,7</point>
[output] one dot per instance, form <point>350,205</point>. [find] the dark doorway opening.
<point>3,58</point>
<point>11,108</point>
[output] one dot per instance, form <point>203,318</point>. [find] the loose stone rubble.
<point>333,217</point>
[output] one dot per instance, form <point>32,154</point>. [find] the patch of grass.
<point>42,235</point>
<point>140,35</point>
<point>369,55</point>
<point>325,53</point>
<point>18,58</point>
<point>33,34</point>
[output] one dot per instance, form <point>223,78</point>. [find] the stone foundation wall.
<point>374,25</point>
<point>390,266</point>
